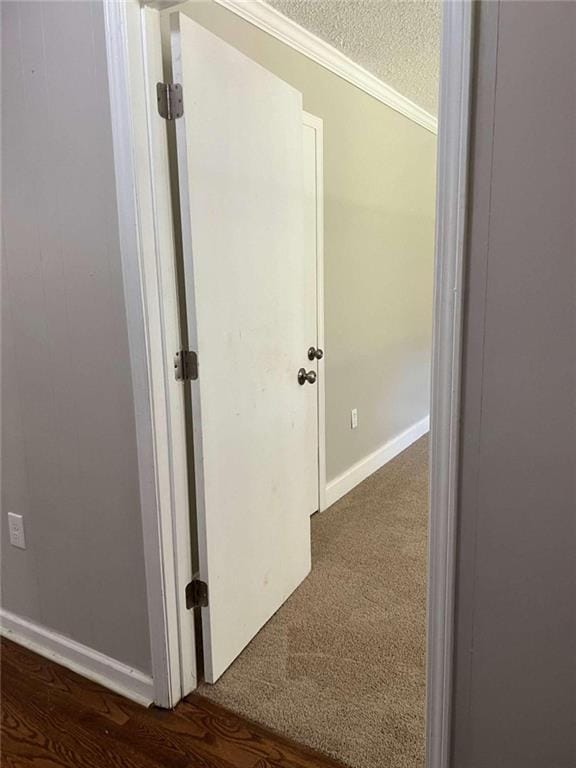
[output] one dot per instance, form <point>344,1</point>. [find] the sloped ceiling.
<point>396,40</point>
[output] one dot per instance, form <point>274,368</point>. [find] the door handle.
<point>304,376</point>
<point>315,354</point>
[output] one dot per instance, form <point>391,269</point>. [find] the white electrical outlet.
<point>16,527</point>
<point>354,418</point>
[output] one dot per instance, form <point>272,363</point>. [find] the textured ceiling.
<point>396,40</point>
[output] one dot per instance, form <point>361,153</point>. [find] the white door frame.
<point>451,215</point>
<point>317,124</point>
<point>150,287</point>
<point>147,305</point>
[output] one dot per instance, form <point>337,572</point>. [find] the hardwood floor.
<point>52,717</point>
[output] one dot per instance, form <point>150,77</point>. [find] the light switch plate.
<point>354,418</point>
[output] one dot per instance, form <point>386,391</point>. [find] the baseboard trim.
<point>112,674</point>
<point>267,18</point>
<point>348,480</point>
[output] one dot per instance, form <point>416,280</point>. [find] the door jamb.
<point>150,288</point>
<point>452,201</point>
<point>451,213</point>
<point>317,124</point>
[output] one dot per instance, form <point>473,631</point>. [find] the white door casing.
<point>240,162</point>
<point>314,243</point>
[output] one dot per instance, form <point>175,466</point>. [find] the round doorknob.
<point>304,376</point>
<point>315,354</point>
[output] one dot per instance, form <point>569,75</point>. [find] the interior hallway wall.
<point>515,692</point>
<point>379,187</point>
<point>69,460</point>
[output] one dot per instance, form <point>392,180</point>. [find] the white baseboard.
<point>79,658</point>
<point>341,485</point>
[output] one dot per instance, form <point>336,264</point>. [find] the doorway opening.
<point>326,631</point>
<point>307,619</point>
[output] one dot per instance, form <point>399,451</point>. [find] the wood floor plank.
<point>244,736</point>
<point>71,723</point>
<point>225,737</point>
<point>47,732</point>
<point>54,718</point>
<point>54,677</point>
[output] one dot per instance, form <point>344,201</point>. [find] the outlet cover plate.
<point>16,528</point>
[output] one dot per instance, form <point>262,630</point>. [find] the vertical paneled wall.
<point>516,639</point>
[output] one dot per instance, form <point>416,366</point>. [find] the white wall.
<point>69,461</point>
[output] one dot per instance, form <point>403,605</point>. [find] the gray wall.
<point>69,461</point>
<point>515,695</point>
<point>379,197</point>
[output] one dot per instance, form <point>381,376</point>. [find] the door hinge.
<point>170,104</point>
<point>196,594</point>
<point>186,365</point>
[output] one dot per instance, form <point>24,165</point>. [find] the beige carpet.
<point>340,667</point>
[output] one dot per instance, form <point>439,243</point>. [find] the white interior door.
<point>255,427</point>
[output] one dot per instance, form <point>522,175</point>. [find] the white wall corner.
<point>85,661</point>
<point>358,472</point>
<point>268,19</point>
